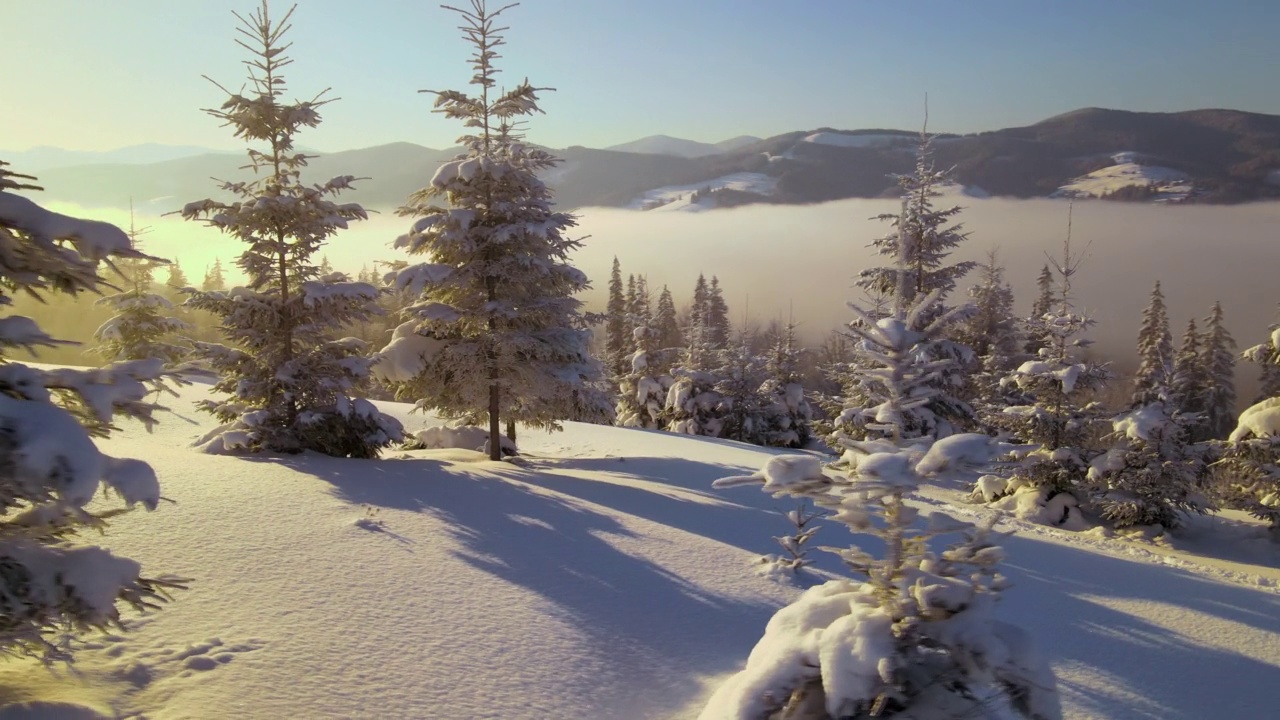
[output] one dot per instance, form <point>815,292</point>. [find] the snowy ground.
<point>1171,185</point>
<point>600,577</point>
<point>680,197</point>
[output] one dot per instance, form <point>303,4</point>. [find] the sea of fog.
<point>775,260</point>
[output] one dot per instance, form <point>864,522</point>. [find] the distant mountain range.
<point>1207,156</point>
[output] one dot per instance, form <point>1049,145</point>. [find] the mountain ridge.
<point>1219,156</point>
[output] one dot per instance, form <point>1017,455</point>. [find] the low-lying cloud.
<point>803,259</point>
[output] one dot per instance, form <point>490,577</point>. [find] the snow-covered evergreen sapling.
<point>743,406</point>
<point>497,299</point>
<point>788,417</point>
<point>642,391</point>
<point>1155,352</point>
<point>992,333</point>
<point>142,323</point>
<point>50,585</point>
<point>287,381</point>
<point>1151,475</point>
<point>1059,414</point>
<point>1218,357</point>
<point>927,235</point>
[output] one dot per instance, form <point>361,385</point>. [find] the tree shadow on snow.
<point>1144,670</point>
<point>652,633</point>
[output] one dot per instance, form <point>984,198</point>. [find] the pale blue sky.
<point>100,74</point>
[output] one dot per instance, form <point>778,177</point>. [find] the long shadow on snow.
<point>742,517</point>
<point>652,632</point>
<point>1179,676</point>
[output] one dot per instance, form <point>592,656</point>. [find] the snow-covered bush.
<point>692,406</point>
<point>288,380</point>
<point>499,291</point>
<point>1248,471</point>
<point>50,468</point>
<point>642,391</point>
<point>787,416</point>
<point>1151,474</point>
<point>466,437</point>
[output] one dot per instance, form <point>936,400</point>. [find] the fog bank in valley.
<point>772,258</point>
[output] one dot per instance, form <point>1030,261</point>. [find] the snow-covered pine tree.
<point>1044,304</point>
<point>1249,468</point>
<point>1219,361</point>
<point>1149,475</point>
<point>916,634</point>
<point>1155,352</point>
<point>699,306</point>
<point>642,311</point>
<point>992,334</point>
<point>788,417</point>
<point>50,585</point>
<point>740,379</point>
<point>1187,386</point>
<point>287,382</point>
<point>692,406</point>
<point>938,236</point>
<point>935,236</point>
<point>143,319</point>
<point>665,322</point>
<point>642,392</point>
<point>1059,415</point>
<point>497,313</point>
<point>1267,357</point>
<point>214,278</point>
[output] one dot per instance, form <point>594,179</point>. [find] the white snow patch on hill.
<point>1170,184</point>
<point>680,197</point>
<point>598,576</point>
<point>854,141</point>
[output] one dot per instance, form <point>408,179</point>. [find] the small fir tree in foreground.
<point>498,329</point>
<point>51,586</point>
<point>286,382</point>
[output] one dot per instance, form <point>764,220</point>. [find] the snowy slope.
<point>679,197</point>
<point>1171,185</point>
<point>598,578</point>
<point>855,141</point>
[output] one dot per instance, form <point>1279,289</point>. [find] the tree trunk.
<point>495,439</point>
<point>511,430</point>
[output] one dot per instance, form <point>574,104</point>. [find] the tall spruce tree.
<point>666,323</point>
<point>286,382</point>
<point>1155,352</point>
<point>615,328</point>
<point>1219,361</point>
<point>992,334</point>
<point>1190,380</point>
<point>934,236</point>
<point>50,584</point>
<point>1042,306</point>
<point>497,310</point>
